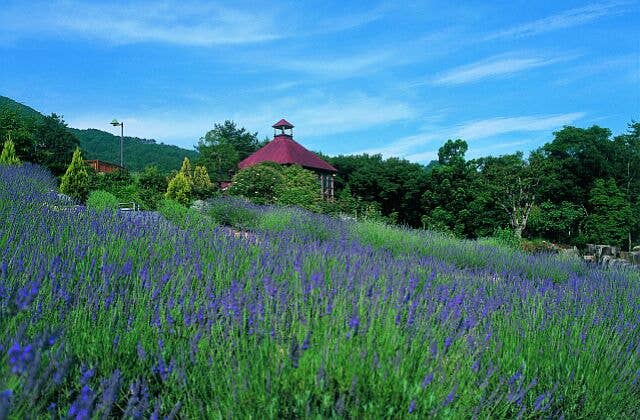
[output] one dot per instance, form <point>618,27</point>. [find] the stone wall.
<point>611,256</point>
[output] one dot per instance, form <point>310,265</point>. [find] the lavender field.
<point>297,315</point>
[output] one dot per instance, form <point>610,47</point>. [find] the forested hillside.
<point>98,144</point>
<point>138,153</point>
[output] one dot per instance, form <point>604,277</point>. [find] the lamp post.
<point>115,123</point>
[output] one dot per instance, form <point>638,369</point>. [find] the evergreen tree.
<point>202,185</point>
<point>179,189</point>
<point>186,169</point>
<point>8,156</point>
<point>75,181</point>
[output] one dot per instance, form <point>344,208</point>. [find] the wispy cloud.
<point>500,65</point>
<point>413,147</point>
<point>314,117</point>
<point>566,19</point>
<point>174,22</point>
<point>502,125</point>
<point>341,67</point>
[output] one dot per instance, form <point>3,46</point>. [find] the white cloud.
<point>313,116</point>
<point>340,67</point>
<point>501,65</point>
<point>413,147</point>
<point>503,125</point>
<point>566,19</point>
<point>185,22</point>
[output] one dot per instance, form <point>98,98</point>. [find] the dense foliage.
<point>549,194</point>
<point>127,315</point>
<point>223,147</point>
<point>40,139</point>
<point>102,200</point>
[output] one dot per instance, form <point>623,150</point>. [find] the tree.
<point>179,189</point>
<point>299,187</point>
<point>558,222</point>
<point>452,152</point>
<point>19,130</point>
<point>202,185</point>
<point>54,144</point>
<point>610,217</point>
<point>186,169</point>
<point>258,183</point>
<point>395,184</point>
<point>627,170</point>
<point>448,191</point>
<point>222,148</point>
<point>75,181</point>
<point>513,182</point>
<point>151,186</point>
<point>574,160</point>
<point>8,156</point>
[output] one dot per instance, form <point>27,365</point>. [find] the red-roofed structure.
<point>286,151</point>
<point>100,166</point>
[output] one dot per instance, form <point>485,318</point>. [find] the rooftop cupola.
<point>282,125</point>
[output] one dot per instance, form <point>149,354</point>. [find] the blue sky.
<point>397,78</point>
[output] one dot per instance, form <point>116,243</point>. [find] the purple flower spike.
<point>412,406</point>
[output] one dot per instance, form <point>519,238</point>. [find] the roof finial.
<point>283,125</point>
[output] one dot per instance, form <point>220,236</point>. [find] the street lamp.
<point>115,123</point>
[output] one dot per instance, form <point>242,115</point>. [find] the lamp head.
<point>115,122</point>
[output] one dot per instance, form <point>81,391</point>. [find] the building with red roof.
<point>100,166</point>
<point>283,149</point>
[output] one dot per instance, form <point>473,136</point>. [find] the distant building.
<point>286,151</point>
<point>101,166</point>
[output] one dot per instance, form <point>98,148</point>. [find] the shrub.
<point>75,181</point>
<point>298,187</point>
<point>202,187</point>
<point>8,155</point>
<point>180,215</point>
<point>102,200</point>
<point>258,183</point>
<point>179,189</point>
<point>151,187</point>
<point>275,221</point>
<point>233,212</point>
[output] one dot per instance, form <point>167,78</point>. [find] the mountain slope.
<point>138,153</point>
<point>98,144</point>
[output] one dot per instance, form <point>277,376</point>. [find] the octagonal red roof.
<point>286,151</point>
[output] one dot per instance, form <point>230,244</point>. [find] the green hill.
<point>22,110</point>
<point>98,144</point>
<point>138,152</point>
